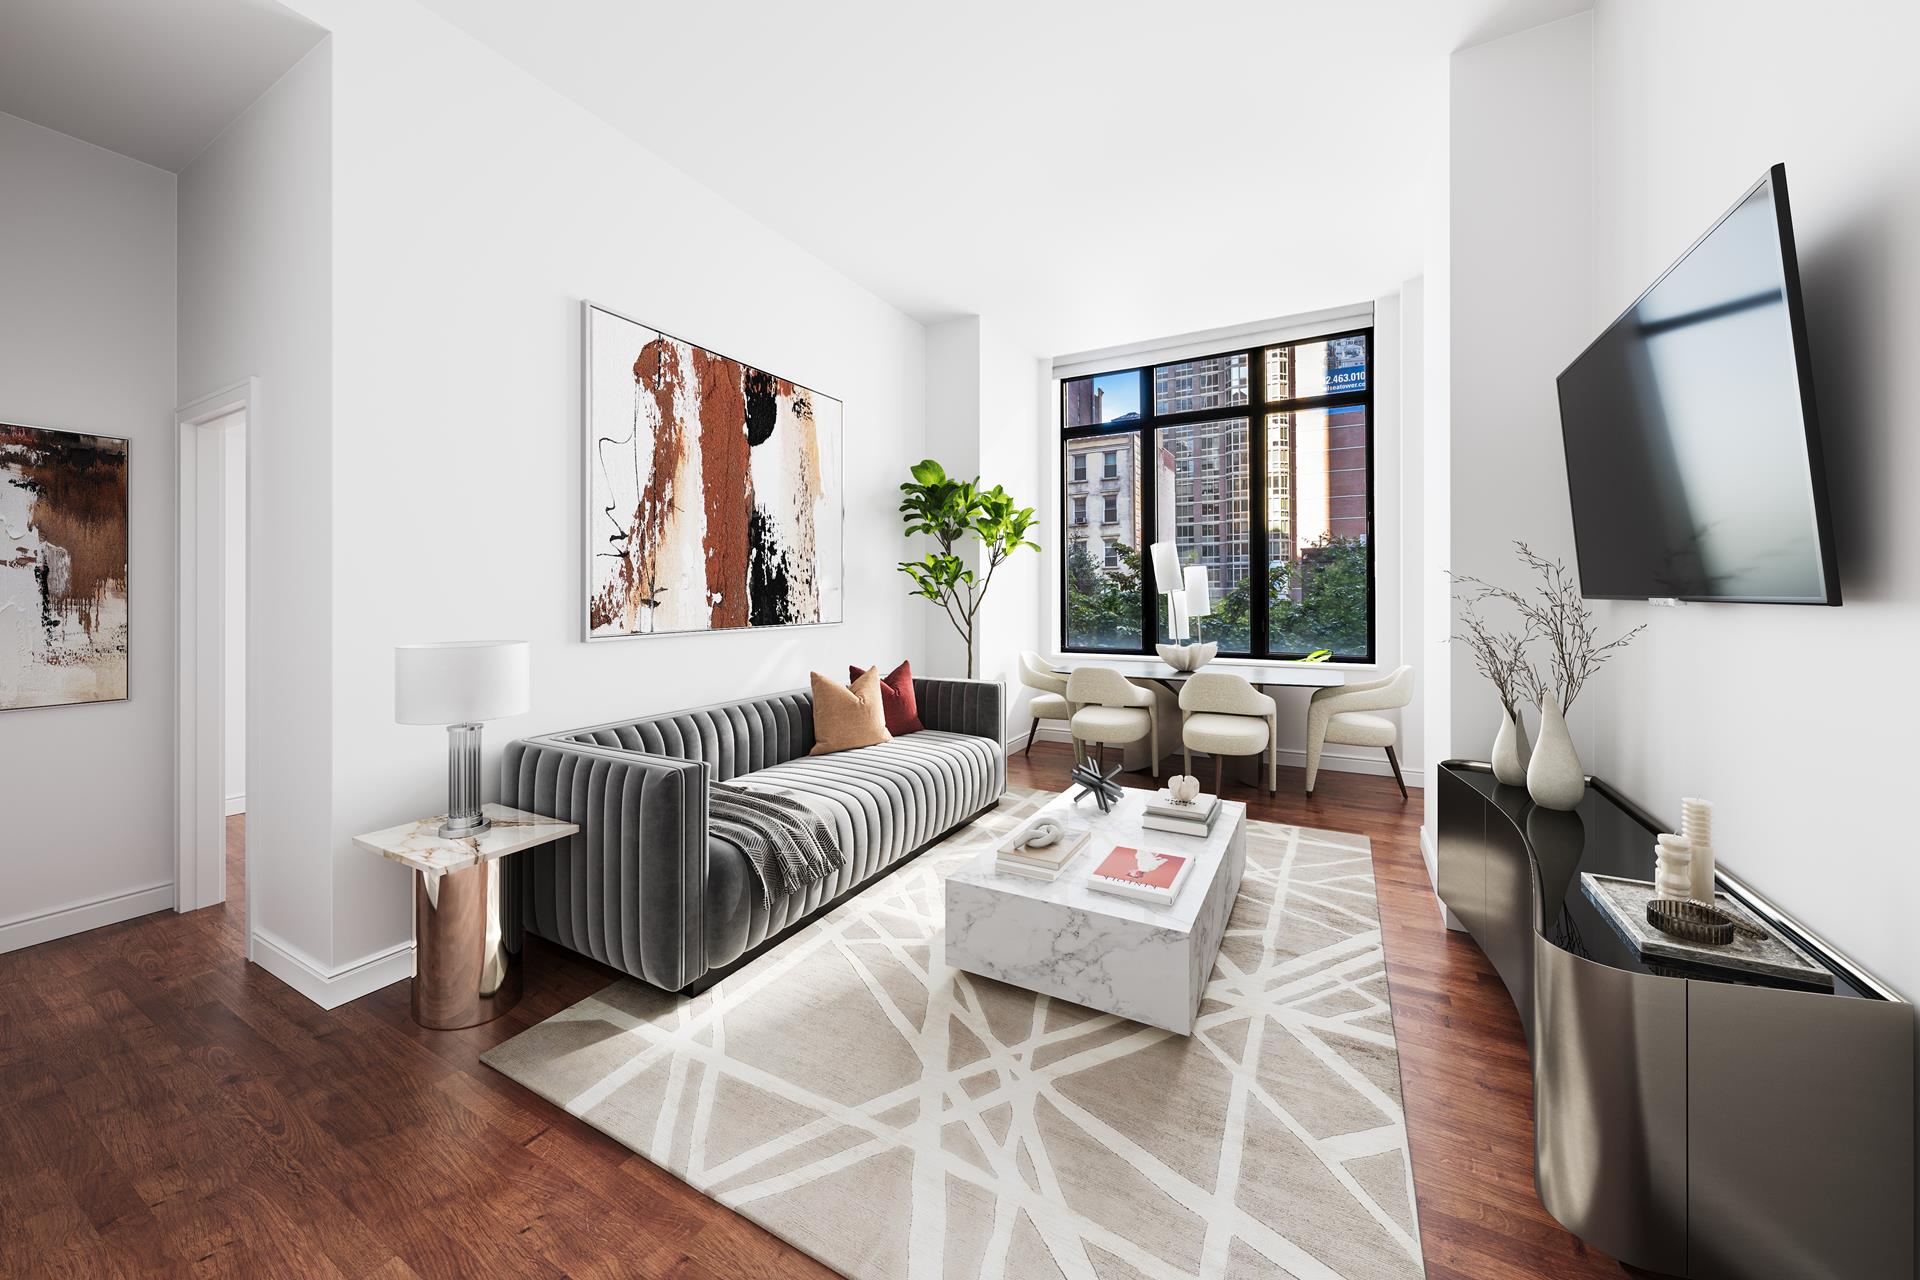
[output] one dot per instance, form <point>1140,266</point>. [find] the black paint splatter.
<point>769,578</point>
<point>42,577</point>
<point>762,404</point>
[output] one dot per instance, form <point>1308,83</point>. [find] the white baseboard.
<point>236,804</point>
<point>329,986</point>
<point>78,917</point>
<point>1337,762</point>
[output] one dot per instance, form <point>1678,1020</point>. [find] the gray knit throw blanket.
<point>788,845</point>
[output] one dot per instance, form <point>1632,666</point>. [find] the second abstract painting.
<point>713,489</point>
<point>63,568</point>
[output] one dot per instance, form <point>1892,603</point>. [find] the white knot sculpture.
<point>1696,825</point>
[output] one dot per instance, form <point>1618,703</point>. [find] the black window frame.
<point>1257,408</point>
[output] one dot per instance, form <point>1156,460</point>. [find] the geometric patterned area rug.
<point>894,1117</point>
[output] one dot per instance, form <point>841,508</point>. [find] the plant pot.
<point>1554,779</point>
<point>1187,657</point>
<point>1511,751</point>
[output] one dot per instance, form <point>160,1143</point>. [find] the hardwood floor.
<point>165,1108</point>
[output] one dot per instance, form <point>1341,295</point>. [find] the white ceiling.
<point>153,79</point>
<point>1083,172</point>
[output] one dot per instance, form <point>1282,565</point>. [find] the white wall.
<point>952,394</point>
<point>474,208</point>
<point>1430,416</point>
<point>1586,156</point>
<point>255,301</point>
<point>1520,227</point>
<point>1015,438</point>
<point>87,344</point>
<point>1797,722</point>
<point>234,561</point>
<point>984,396</point>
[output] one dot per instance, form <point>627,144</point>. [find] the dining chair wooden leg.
<point>1030,732</point>
<point>1396,773</point>
<point>1100,756</point>
<point>1186,761</point>
<point>1219,764</point>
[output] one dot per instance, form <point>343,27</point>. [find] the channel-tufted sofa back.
<point>731,738</point>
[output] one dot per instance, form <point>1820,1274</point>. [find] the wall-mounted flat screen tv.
<point>1693,448</point>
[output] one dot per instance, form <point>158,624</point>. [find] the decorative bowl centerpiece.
<point>1187,657</point>
<point>1691,921</point>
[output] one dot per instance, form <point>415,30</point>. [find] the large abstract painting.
<point>63,568</point>
<point>713,489</point>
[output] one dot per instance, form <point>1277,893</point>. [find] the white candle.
<point>1696,823</point>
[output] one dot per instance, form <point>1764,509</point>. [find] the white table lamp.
<point>1199,593</point>
<point>1166,576</point>
<point>459,684</point>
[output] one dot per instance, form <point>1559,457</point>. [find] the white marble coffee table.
<point>1063,939</point>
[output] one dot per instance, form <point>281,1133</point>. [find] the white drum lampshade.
<point>461,680</point>
<point>459,684</point>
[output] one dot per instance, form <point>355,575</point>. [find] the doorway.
<point>211,679</point>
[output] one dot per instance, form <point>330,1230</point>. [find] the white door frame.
<point>200,873</point>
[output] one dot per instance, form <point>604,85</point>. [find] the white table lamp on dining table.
<point>1179,588</point>
<point>459,684</point>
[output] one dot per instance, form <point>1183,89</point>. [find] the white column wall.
<point>87,331</point>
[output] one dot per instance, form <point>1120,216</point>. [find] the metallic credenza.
<point>1684,1122</point>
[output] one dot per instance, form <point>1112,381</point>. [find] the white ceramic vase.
<point>1511,751</point>
<point>1187,657</point>
<point>1554,779</point>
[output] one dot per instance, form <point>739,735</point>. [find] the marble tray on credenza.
<point>1624,904</point>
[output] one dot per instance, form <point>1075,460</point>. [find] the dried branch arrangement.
<point>1500,656</point>
<point>1553,611</point>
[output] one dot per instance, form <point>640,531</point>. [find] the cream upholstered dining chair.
<point>1339,715</point>
<point>1050,693</point>
<point>1109,708</point>
<point>1222,715</point>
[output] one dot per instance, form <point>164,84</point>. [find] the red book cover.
<point>1140,869</point>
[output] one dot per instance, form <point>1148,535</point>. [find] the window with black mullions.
<point>1258,464</point>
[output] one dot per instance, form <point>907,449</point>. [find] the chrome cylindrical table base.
<point>466,934</point>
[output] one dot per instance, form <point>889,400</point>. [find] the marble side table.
<point>466,917</point>
<point>1060,938</point>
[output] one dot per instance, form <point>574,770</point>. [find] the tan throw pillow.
<point>848,716</point>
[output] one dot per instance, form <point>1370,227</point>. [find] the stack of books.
<point>1044,862</point>
<point>1193,819</point>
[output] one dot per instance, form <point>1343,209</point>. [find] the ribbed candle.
<point>1696,824</point>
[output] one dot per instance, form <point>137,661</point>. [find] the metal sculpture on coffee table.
<point>1101,786</point>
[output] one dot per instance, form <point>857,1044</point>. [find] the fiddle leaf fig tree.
<point>954,513</point>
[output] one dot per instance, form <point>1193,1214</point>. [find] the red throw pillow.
<point>896,699</point>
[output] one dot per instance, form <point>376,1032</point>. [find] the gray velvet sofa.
<point>646,888</point>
